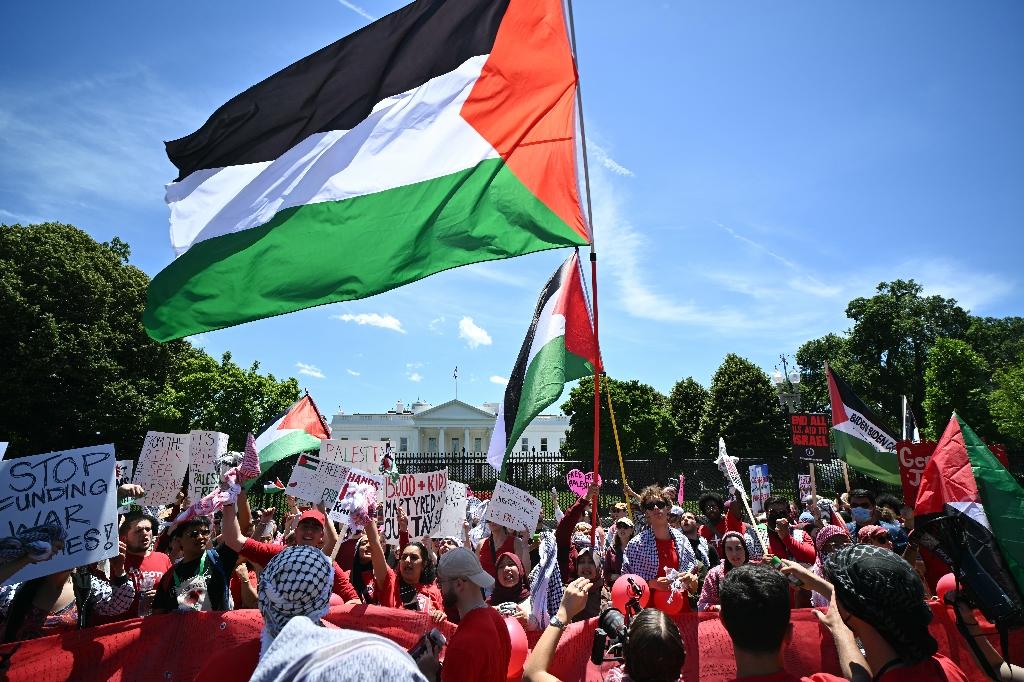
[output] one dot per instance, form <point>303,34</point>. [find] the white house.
<point>451,427</point>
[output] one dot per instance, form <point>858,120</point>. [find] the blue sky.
<point>756,166</point>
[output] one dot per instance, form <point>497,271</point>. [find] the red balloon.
<point>662,603</point>
<point>520,647</point>
<point>336,600</point>
<point>621,591</point>
<point>945,584</point>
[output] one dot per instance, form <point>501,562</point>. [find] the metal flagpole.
<point>593,272</point>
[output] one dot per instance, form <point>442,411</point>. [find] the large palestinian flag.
<point>440,135</point>
<point>970,513</point>
<point>559,347</point>
<point>863,440</point>
<point>300,428</point>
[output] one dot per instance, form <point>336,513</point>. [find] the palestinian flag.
<point>441,135</point>
<point>863,440</point>
<point>275,487</point>
<point>970,513</point>
<point>308,462</point>
<point>300,428</point>
<point>559,347</point>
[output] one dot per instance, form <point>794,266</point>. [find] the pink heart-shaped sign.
<point>579,482</point>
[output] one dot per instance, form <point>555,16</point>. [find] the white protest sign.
<point>123,474</point>
<point>513,508</point>
<point>204,447</point>
<point>454,513</point>
<point>162,466</point>
<point>74,488</point>
<point>317,478</point>
<point>760,487</point>
<point>354,477</point>
<point>367,455</point>
<point>3,449</point>
<point>422,498</point>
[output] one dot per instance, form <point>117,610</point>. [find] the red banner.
<point>178,646</point>
<point>914,456</point>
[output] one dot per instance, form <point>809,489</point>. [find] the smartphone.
<point>437,641</point>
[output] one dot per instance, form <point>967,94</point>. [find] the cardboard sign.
<point>803,482</point>
<point>354,477</point>
<point>74,488</point>
<point>373,456</point>
<point>513,508</point>
<point>204,447</point>
<point>123,474</point>
<point>317,478</point>
<point>760,487</point>
<point>682,489</point>
<point>454,513</point>
<point>809,437</point>
<point>422,497</point>
<point>162,466</point>
<point>579,482</point>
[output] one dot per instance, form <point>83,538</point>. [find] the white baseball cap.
<point>461,562</point>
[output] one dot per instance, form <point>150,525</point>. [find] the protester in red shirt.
<point>783,541</point>
<point>499,542</point>
<point>143,565</point>
<point>243,585</point>
<point>311,531</point>
<point>480,649</point>
<point>566,528</point>
<point>712,506</point>
<point>413,587</point>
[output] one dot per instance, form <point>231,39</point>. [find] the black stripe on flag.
<point>853,401</point>
<point>337,87</point>
<point>514,389</point>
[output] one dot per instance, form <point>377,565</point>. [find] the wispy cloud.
<point>474,335</point>
<point>309,370</point>
<point>601,156</point>
<point>355,374</point>
<point>413,365</point>
<point>434,323</point>
<point>358,10</point>
<point>372,319</point>
<point>415,377</point>
<point>499,380</point>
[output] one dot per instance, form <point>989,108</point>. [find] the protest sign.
<point>454,513</point>
<point>73,488</point>
<point>123,474</point>
<point>204,447</point>
<point>680,496</point>
<point>803,482</point>
<point>317,478</point>
<point>809,437</point>
<point>513,508</point>
<point>3,450</point>
<point>760,487</point>
<point>162,466</point>
<point>421,496</point>
<point>354,477</point>
<point>579,482</point>
<point>373,456</point>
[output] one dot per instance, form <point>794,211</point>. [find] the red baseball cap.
<point>314,514</point>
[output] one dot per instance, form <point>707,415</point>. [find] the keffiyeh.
<point>546,582</point>
<point>882,589</point>
<point>34,542</point>
<point>296,582</point>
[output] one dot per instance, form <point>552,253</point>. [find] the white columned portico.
<point>441,447</point>
<point>416,440</point>
<point>465,441</point>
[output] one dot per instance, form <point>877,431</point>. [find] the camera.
<point>437,641</point>
<point>613,627</point>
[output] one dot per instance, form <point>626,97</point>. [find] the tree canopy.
<point>957,379</point>
<point>742,407</point>
<point>642,416</point>
<point>1008,403</point>
<point>687,403</point>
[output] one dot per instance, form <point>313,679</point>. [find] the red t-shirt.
<point>262,552</point>
<point>786,676</point>
<point>938,668</point>
<point>236,588</point>
<point>428,596</point>
<point>137,567</point>
<point>479,650</point>
<point>668,557</point>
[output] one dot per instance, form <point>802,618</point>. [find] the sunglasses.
<point>195,534</point>
<point>660,504</point>
<point>862,505</point>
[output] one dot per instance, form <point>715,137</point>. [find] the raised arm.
<point>230,533</point>
<point>330,532</point>
<point>244,513</point>
<point>573,601</point>
<point>380,563</point>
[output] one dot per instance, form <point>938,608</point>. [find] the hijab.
<point>823,536</point>
<point>517,592</point>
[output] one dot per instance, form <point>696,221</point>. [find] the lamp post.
<point>787,383</point>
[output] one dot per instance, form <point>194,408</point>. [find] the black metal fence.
<point>539,472</point>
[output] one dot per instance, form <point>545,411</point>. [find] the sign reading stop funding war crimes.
<point>123,474</point>
<point>204,447</point>
<point>421,496</point>
<point>809,436</point>
<point>72,488</point>
<point>368,455</point>
<point>354,477</point>
<point>760,487</point>
<point>162,466</point>
<point>454,513</point>
<point>513,508</point>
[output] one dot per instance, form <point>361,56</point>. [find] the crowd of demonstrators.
<point>828,540</point>
<point>621,532</point>
<point>511,596</point>
<point>866,513</point>
<point>736,554</point>
<point>617,511</point>
<point>500,541</point>
<point>660,547</point>
<point>566,530</point>
<point>200,581</point>
<point>720,519</point>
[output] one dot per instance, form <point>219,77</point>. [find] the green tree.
<point>687,403</point>
<point>743,407</point>
<point>221,397</point>
<point>811,357</point>
<point>642,416</point>
<point>77,366</point>
<point>999,340</point>
<point>957,379</point>
<point>1007,402</point>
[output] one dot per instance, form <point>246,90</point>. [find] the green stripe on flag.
<point>347,250</point>
<point>860,455</point>
<point>1002,498</point>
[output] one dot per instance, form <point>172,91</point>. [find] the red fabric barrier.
<point>177,646</point>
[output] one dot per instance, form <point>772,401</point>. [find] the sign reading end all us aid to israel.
<point>72,488</point>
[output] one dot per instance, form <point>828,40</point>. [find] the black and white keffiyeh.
<point>296,582</point>
<point>879,587</point>
<point>546,581</point>
<point>641,554</point>
<point>33,541</point>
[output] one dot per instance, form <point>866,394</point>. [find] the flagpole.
<point>593,271</point>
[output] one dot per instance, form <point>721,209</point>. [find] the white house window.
<point>525,445</point>
<point>385,439</point>
<point>431,445</point>
<point>477,445</point>
<point>344,437</point>
<point>543,444</point>
<point>403,445</point>
<point>455,444</point>
<point>364,438</point>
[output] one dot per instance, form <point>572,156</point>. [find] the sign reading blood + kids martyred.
<point>809,434</point>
